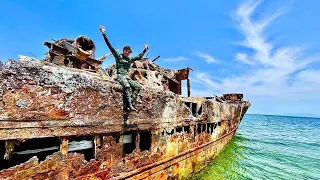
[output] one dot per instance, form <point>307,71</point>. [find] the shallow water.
<point>269,147</point>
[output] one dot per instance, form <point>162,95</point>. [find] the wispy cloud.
<point>173,59</point>
<point>243,57</point>
<point>278,72</point>
<point>207,80</point>
<point>209,59</point>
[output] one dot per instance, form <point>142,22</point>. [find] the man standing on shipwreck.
<point>123,64</point>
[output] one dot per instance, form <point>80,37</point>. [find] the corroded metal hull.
<point>70,124</point>
<point>182,165</point>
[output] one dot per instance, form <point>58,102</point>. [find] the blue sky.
<point>268,50</point>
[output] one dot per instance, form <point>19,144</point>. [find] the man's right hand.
<point>146,46</point>
<point>102,29</point>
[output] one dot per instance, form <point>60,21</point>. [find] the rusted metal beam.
<point>29,133</point>
<point>34,130</point>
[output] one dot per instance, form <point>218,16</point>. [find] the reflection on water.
<point>228,164</point>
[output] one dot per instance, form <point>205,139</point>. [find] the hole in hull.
<point>187,129</point>
<point>129,142</point>
<point>83,145</point>
<point>179,129</point>
<point>23,151</point>
<point>145,140</point>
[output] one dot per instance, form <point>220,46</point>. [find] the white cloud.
<point>243,57</point>
<point>281,73</point>
<point>179,58</point>
<point>204,77</point>
<point>209,59</point>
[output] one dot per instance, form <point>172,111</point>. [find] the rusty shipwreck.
<point>63,118</point>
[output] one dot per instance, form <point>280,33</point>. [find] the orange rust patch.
<point>58,114</point>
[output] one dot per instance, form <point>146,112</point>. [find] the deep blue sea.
<point>269,147</point>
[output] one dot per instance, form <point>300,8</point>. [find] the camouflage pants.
<point>128,83</point>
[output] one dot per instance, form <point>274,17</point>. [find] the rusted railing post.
<point>137,140</point>
<point>64,145</point>
<point>188,86</point>
<point>97,143</point>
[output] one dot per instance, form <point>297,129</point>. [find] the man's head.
<point>126,51</point>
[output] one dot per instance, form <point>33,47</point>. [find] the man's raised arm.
<point>113,51</point>
<point>139,57</point>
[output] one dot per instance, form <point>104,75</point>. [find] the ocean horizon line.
<point>289,115</point>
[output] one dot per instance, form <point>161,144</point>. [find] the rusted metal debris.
<point>233,97</point>
<point>65,122</point>
<point>78,53</point>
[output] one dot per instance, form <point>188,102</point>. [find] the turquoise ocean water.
<point>269,147</point>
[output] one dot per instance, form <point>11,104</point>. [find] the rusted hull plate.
<point>174,159</point>
<point>182,166</point>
